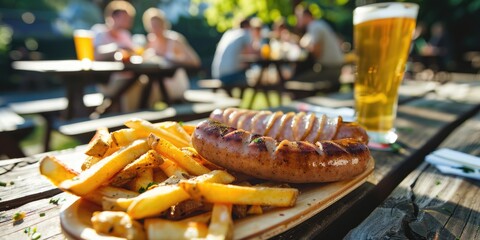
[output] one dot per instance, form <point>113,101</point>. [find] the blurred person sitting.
<point>114,39</point>
<point>227,64</point>
<point>438,49</point>
<point>325,58</point>
<point>170,48</point>
<point>114,35</point>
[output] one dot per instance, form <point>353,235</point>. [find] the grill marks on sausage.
<point>288,161</point>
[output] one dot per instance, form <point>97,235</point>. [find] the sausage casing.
<point>286,161</point>
<point>290,126</point>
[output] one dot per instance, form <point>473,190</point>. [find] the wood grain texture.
<point>25,184</point>
<point>429,204</point>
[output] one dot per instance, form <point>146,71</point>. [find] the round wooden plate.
<point>75,216</point>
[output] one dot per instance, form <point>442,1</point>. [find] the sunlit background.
<point>42,29</point>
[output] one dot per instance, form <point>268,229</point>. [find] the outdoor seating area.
<point>279,120</point>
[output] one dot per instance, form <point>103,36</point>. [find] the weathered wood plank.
<point>40,214</point>
<point>24,182</point>
<point>429,204</point>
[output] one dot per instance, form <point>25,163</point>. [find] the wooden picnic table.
<point>381,207</point>
<point>264,82</point>
<point>75,75</point>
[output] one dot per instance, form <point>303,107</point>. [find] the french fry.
<point>99,144</point>
<point>176,129</point>
<point>55,171</point>
<point>92,160</point>
<point>149,160</point>
<point>142,180</point>
<point>118,224</point>
<point>159,229</point>
<point>223,193</point>
<point>154,201</point>
<point>165,148</point>
<point>99,173</point>
<point>124,137</point>
<point>171,168</point>
<point>146,126</point>
<point>221,225</point>
<point>189,129</point>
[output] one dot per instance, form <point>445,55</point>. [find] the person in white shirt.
<point>227,65</point>
<point>112,38</point>
<point>324,49</point>
<point>114,35</point>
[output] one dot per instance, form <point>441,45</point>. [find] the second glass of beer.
<point>83,40</point>
<point>382,36</point>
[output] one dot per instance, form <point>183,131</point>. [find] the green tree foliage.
<point>224,14</point>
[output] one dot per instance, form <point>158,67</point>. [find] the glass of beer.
<point>382,36</point>
<point>83,40</point>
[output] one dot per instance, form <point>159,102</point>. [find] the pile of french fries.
<point>152,184</point>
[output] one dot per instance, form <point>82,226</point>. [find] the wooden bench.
<point>84,129</point>
<point>50,109</point>
<point>13,128</point>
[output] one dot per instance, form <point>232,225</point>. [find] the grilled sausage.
<point>286,161</point>
<point>290,126</point>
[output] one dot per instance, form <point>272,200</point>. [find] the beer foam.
<point>384,10</point>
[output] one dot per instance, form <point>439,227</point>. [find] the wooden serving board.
<point>313,198</point>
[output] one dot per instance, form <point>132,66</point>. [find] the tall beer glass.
<point>382,36</point>
<point>83,40</point>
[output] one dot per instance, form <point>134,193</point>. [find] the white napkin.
<point>449,161</point>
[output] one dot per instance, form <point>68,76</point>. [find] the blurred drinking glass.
<point>382,36</point>
<point>83,40</point>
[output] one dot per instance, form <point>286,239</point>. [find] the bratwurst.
<point>286,161</point>
<point>290,126</point>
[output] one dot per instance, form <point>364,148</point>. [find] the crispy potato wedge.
<point>99,173</point>
<point>141,181</point>
<point>159,229</point>
<point>165,148</point>
<point>146,126</point>
<point>176,129</point>
<point>221,225</point>
<point>124,137</point>
<point>149,160</point>
<point>223,193</point>
<point>55,171</point>
<point>155,201</point>
<point>100,143</point>
<point>171,168</point>
<point>117,224</point>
